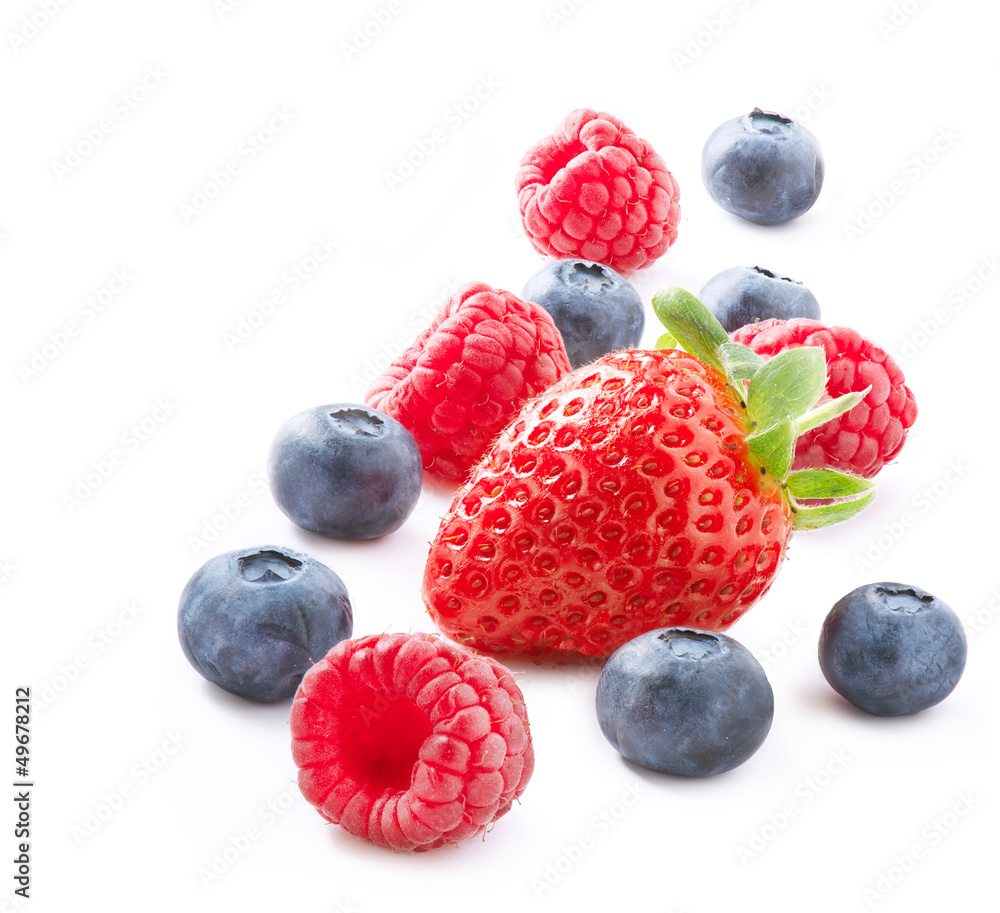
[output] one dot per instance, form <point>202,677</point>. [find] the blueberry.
<point>595,309</point>
<point>687,702</point>
<point>763,167</point>
<point>745,294</point>
<point>345,471</point>
<point>254,621</point>
<point>892,649</point>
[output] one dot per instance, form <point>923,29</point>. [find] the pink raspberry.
<point>456,387</point>
<point>596,191</point>
<point>873,432</point>
<point>409,741</point>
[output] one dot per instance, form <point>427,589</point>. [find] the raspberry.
<point>410,742</point>
<point>873,432</point>
<point>465,376</point>
<point>596,191</point>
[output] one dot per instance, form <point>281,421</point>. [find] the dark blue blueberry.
<point>745,294</point>
<point>687,702</point>
<point>892,649</point>
<point>595,309</point>
<point>763,167</point>
<point>345,471</point>
<point>254,621</point>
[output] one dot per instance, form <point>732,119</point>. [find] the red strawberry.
<point>465,376</point>
<point>640,491</point>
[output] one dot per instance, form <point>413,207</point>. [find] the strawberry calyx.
<point>780,398</point>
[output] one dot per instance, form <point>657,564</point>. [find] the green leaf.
<point>830,410</point>
<point>692,324</point>
<point>787,385</point>
<point>666,341</point>
<point>775,447</point>
<point>830,514</point>
<point>810,484</point>
<point>739,363</point>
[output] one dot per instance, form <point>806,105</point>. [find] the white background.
<point>145,775</point>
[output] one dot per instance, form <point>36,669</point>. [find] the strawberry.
<point>646,489</point>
